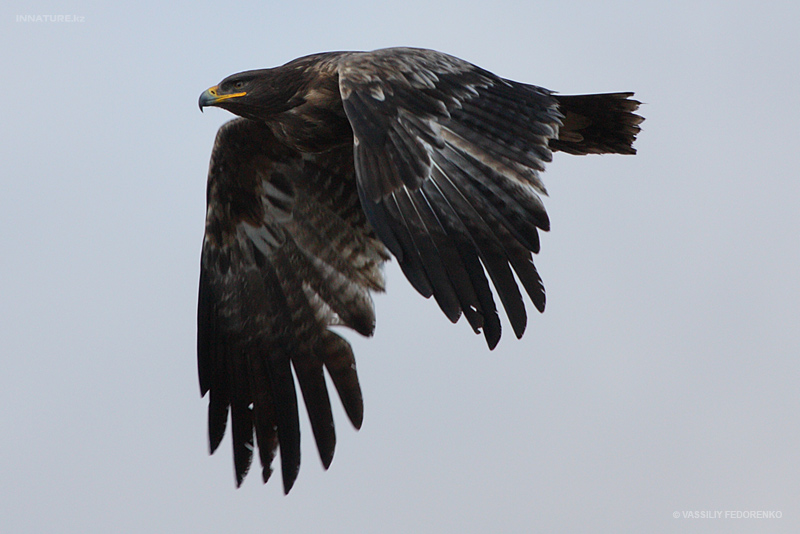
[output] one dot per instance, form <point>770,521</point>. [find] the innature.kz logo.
<point>50,18</point>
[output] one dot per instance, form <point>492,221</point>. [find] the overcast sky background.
<point>664,376</point>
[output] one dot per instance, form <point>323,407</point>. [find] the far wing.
<point>287,252</point>
<point>447,157</point>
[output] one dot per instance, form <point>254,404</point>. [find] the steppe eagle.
<point>338,161</point>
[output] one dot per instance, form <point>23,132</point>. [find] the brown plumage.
<point>340,159</point>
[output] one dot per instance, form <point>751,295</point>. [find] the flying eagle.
<point>338,160</point>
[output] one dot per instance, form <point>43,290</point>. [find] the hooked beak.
<point>211,97</point>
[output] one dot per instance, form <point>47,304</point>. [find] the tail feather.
<point>597,124</point>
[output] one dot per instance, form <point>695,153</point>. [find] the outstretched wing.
<point>447,157</point>
<point>287,252</point>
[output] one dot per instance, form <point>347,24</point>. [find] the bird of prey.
<point>339,161</point>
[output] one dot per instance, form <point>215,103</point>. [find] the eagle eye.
<point>233,85</point>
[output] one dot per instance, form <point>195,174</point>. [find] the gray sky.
<point>662,378</point>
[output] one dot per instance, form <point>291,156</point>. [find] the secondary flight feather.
<point>339,161</point>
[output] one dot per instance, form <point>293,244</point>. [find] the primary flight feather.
<point>339,160</point>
